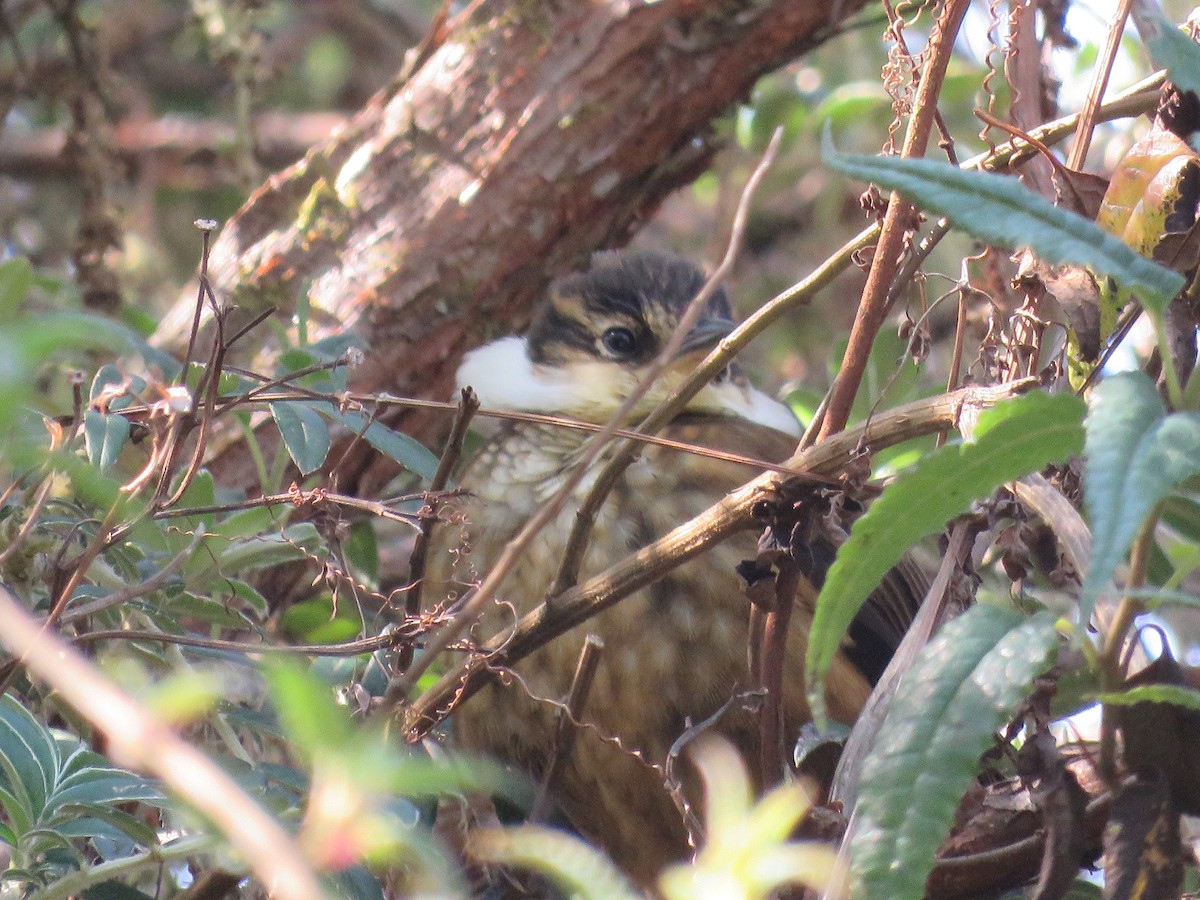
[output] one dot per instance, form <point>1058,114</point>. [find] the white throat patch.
<point>504,377</point>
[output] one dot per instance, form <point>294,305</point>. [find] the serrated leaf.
<point>965,684</point>
<point>1000,210</point>
<point>1170,47</point>
<point>1174,694</point>
<point>1135,455</point>
<point>104,436</point>
<point>304,433</point>
<point>1017,437</point>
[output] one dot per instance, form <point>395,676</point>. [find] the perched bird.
<point>675,651</point>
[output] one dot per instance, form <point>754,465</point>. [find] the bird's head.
<point>596,336</point>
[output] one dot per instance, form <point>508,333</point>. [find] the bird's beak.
<point>704,336</point>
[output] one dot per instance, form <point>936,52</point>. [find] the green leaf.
<point>249,595</point>
<point>1170,47</point>
<point>310,717</point>
<point>407,451</point>
<point>28,756</point>
<point>1014,438</point>
<point>362,550</point>
<point>965,684</point>
<point>294,542</point>
<point>16,278</point>
<point>250,522</point>
<point>1000,210</point>
<point>104,436</point>
<point>1174,694</point>
<point>1135,456</point>
<point>304,433</point>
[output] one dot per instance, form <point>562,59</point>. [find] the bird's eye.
<point>619,342</point>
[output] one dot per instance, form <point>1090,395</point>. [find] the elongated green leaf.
<point>1013,439</point>
<point>407,451</point>
<point>1000,210</point>
<point>965,684</point>
<point>104,821</point>
<point>28,756</point>
<point>270,549</point>
<point>304,433</point>
<point>108,786</point>
<point>1174,694</point>
<point>1170,47</point>
<point>104,437</point>
<point>1135,456</point>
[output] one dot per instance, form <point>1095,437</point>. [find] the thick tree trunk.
<point>520,138</point>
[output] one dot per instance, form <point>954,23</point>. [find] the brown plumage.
<point>676,650</point>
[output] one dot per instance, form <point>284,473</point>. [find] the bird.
<point>674,652</point>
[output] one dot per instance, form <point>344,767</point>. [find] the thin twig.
<point>35,511</point>
<point>960,331</point>
<point>731,514</point>
<point>873,307</point>
<point>564,732</point>
<point>467,406</point>
<point>387,641</point>
<point>744,700</point>
<point>774,651</point>
<point>206,229</point>
<point>1104,64</point>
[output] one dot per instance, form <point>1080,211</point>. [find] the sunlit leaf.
<point>1017,437</point>
<point>1135,456</point>
<point>305,434</point>
<point>965,684</point>
<point>1000,210</point>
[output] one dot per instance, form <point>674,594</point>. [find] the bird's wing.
<point>884,618</point>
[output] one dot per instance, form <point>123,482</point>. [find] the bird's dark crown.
<point>623,309</point>
<point>595,337</point>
